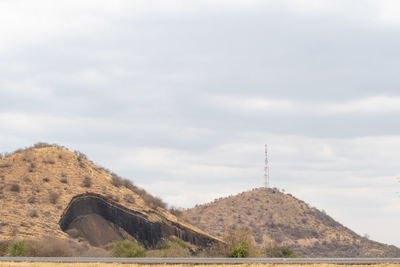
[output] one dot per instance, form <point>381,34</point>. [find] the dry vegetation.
<point>280,219</point>
<point>50,247</point>
<point>38,182</point>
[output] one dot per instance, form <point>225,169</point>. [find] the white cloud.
<point>251,104</point>
<point>370,105</point>
<point>388,12</point>
<point>312,6</point>
<point>362,106</point>
<point>20,122</point>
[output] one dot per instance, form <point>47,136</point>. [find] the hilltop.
<point>278,218</point>
<point>46,186</point>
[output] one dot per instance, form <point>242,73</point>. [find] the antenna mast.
<point>266,169</point>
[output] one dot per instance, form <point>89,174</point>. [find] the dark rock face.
<point>89,226</point>
<point>117,222</point>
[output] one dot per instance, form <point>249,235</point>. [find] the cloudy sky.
<point>181,96</point>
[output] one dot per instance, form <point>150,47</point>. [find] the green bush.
<point>127,249</point>
<point>279,252</point>
<point>239,243</point>
<point>240,249</point>
<point>18,249</point>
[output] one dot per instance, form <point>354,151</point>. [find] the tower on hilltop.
<point>266,169</point>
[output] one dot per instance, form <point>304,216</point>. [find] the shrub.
<point>127,249</point>
<point>279,252</point>
<point>53,196</point>
<point>46,180</point>
<point>176,249</point>
<point>32,167</point>
<point>153,201</point>
<point>33,214</point>
<point>176,211</point>
<point>31,200</point>
<point>240,243</point>
<point>52,247</point>
<point>15,188</point>
<point>87,182</point>
<point>80,155</point>
<point>18,249</point>
<point>129,198</point>
<point>42,144</point>
<point>48,247</point>
<point>116,180</point>
<point>240,249</point>
<point>4,247</point>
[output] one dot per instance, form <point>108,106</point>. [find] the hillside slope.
<point>275,217</point>
<point>37,185</point>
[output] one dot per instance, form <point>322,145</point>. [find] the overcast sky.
<point>181,96</point>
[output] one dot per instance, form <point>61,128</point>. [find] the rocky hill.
<point>278,218</point>
<point>47,190</point>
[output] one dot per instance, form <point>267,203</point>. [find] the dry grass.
<point>50,197</point>
<point>281,219</point>
<point>49,264</point>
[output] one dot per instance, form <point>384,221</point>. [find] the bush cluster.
<point>240,243</point>
<point>37,145</point>
<point>240,249</point>
<point>19,249</point>
<point>52,247</point>
<point>48,247</point>
<point>175,249</point>
<point>279,252</point>
<point>127,249</point>
<point>176,211</point>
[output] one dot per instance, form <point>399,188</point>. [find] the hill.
<point>278,218</point>
<point>47,190</point>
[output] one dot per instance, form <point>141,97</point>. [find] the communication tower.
<point>266,169</point>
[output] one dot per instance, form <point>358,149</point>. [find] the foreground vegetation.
<point>239,243</point>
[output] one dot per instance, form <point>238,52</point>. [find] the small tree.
<point>240,243</point>
<point>240,249</point>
